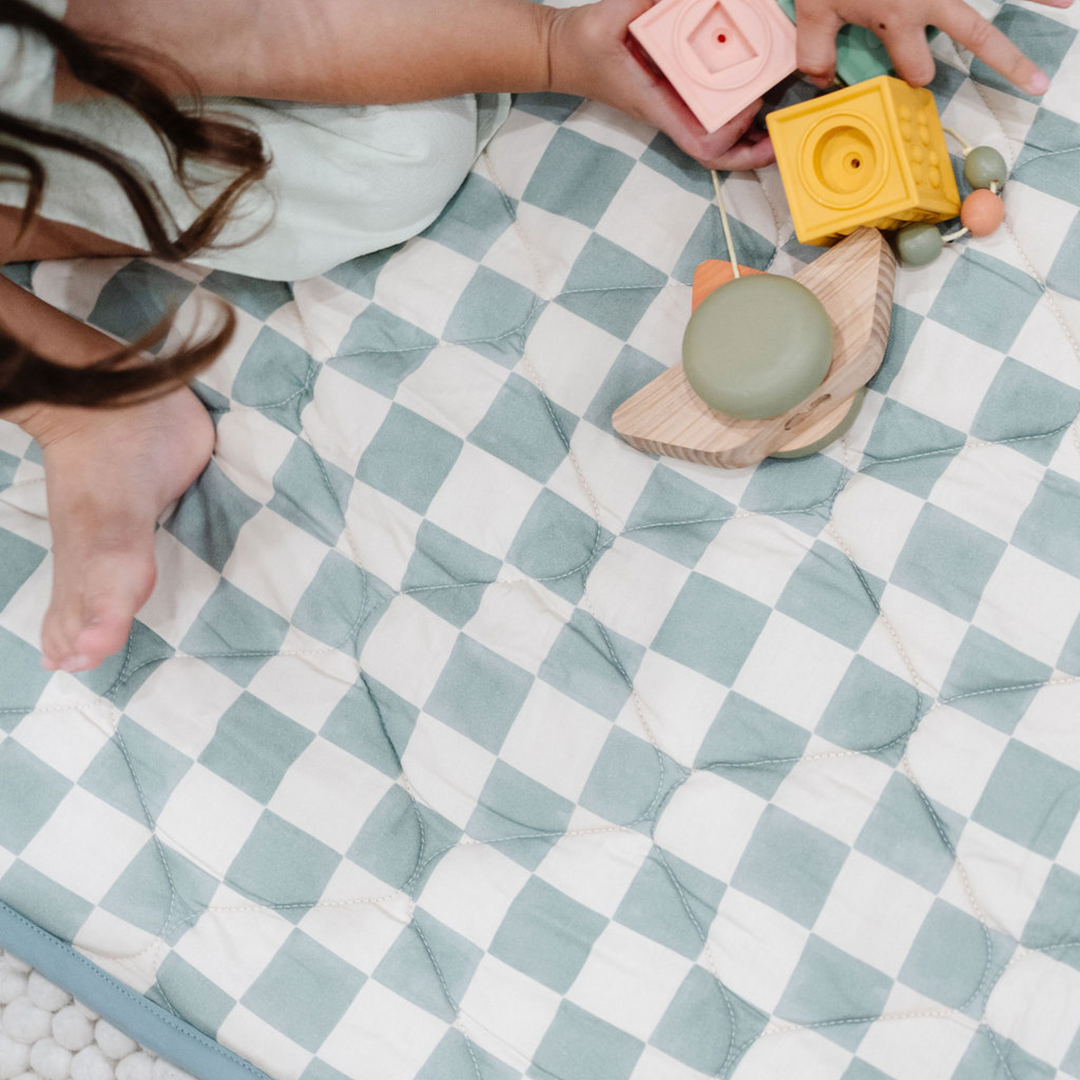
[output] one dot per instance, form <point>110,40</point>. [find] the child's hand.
<point>592,53</point>
<point>901,25</point>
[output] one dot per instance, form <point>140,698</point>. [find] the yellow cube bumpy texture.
<point>872,154</point>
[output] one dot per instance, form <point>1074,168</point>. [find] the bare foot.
<point>109,473</point>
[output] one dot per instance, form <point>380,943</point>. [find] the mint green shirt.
<point>345,180</point>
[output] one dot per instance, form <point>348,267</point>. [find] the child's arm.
<point>384,51</point>
<point>901,25</point>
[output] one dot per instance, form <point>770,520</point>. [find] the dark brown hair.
<point>187,135</point>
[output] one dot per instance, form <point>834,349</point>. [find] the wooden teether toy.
<point>799,348</point>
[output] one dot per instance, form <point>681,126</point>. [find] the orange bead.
<point>982,212</point>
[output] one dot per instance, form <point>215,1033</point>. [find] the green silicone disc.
<point>757,346</point>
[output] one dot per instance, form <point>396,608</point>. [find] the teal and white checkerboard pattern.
<point>460,741</point>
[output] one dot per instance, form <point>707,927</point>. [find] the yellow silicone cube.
<point>870,154</point>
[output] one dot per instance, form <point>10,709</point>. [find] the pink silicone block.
<point>720,55</point>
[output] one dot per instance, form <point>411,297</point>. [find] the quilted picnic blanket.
<point>461,741</point>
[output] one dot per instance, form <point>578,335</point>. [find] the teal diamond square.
<point>491,317</point>
<point>448,575</point>
<point>137,298</point>
<point>751,746</point>
<point>664,157</point>
<point>554,107</point>
<point>254,746</point>
<point>525,429</point>
<point>519,815</point>
<point>580,1046</point>
<point>711,628</point>
<point>908,449</point>
<point>829,594</point>
<point>1068,661</point>
<point>1022,401</point>
<point>951,956</point>
<point>56,909</point>
<point>430,965</point>
<point>1064,276</point>
<point>256,296</point>
<point>408,458</point>
<point>319,1070</point>
<point>557,545</point>
<point>282,866</point>
<point>479,693</point>
<point>986,300</point>
<point>859,1070</point>
<point>1049,528</point>
<point>235,634</point>
<point>304,991</point>
<point>1071,1064</point>
<point>1055,919</point>
<point>359,275</point>
<point>983,663</point>
<point>611,287</point>
<point>21,559</point>
<point>830,984</point>
<point>947,561</point>
<point>380,350</point>
<point>676,517</point>
<point>311,493</point>
<point>209,516</point>
<point>473,219</point>
<point>276,377</point>
<point>401,841</point>
<point>592,664</point>
<point>902,330</point>
<point>629,778</point>
<point>30,792</point>
<point>1047,161</point>
<point>120,675</point>
<point>456,1058</point>
<point>871,710</point>
<point>191,994</point>
<point>547,935</point>
<point>1001,1059</point>
<point>372,723</point>
<point>9,463</point>
<point>801,490</point>
<point>901,834</point>
<point>789,865</point>
<point>706,240</point>
<point>631,371</point>
<point>1045,41</point>
<point>134,753</point>
<point>703,1021</point>
<point>577,177</point>
<point>333,606</point>
<point>1030,798</point>
<point>22,679</point>
<point>158,892</point>
<point>671,902</point>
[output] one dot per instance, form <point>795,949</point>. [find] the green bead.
<point>757,346</point>
<point>985,166</point>
<point>919,244</point>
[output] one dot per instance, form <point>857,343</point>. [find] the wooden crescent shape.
<point>855,281</point>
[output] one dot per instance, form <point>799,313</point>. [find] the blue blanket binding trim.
<point>143,1020</point>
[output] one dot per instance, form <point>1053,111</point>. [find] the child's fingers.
<point>966,26</point>
<point>816,46</point>
<point>910,54</point>
<point>746,154</point>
